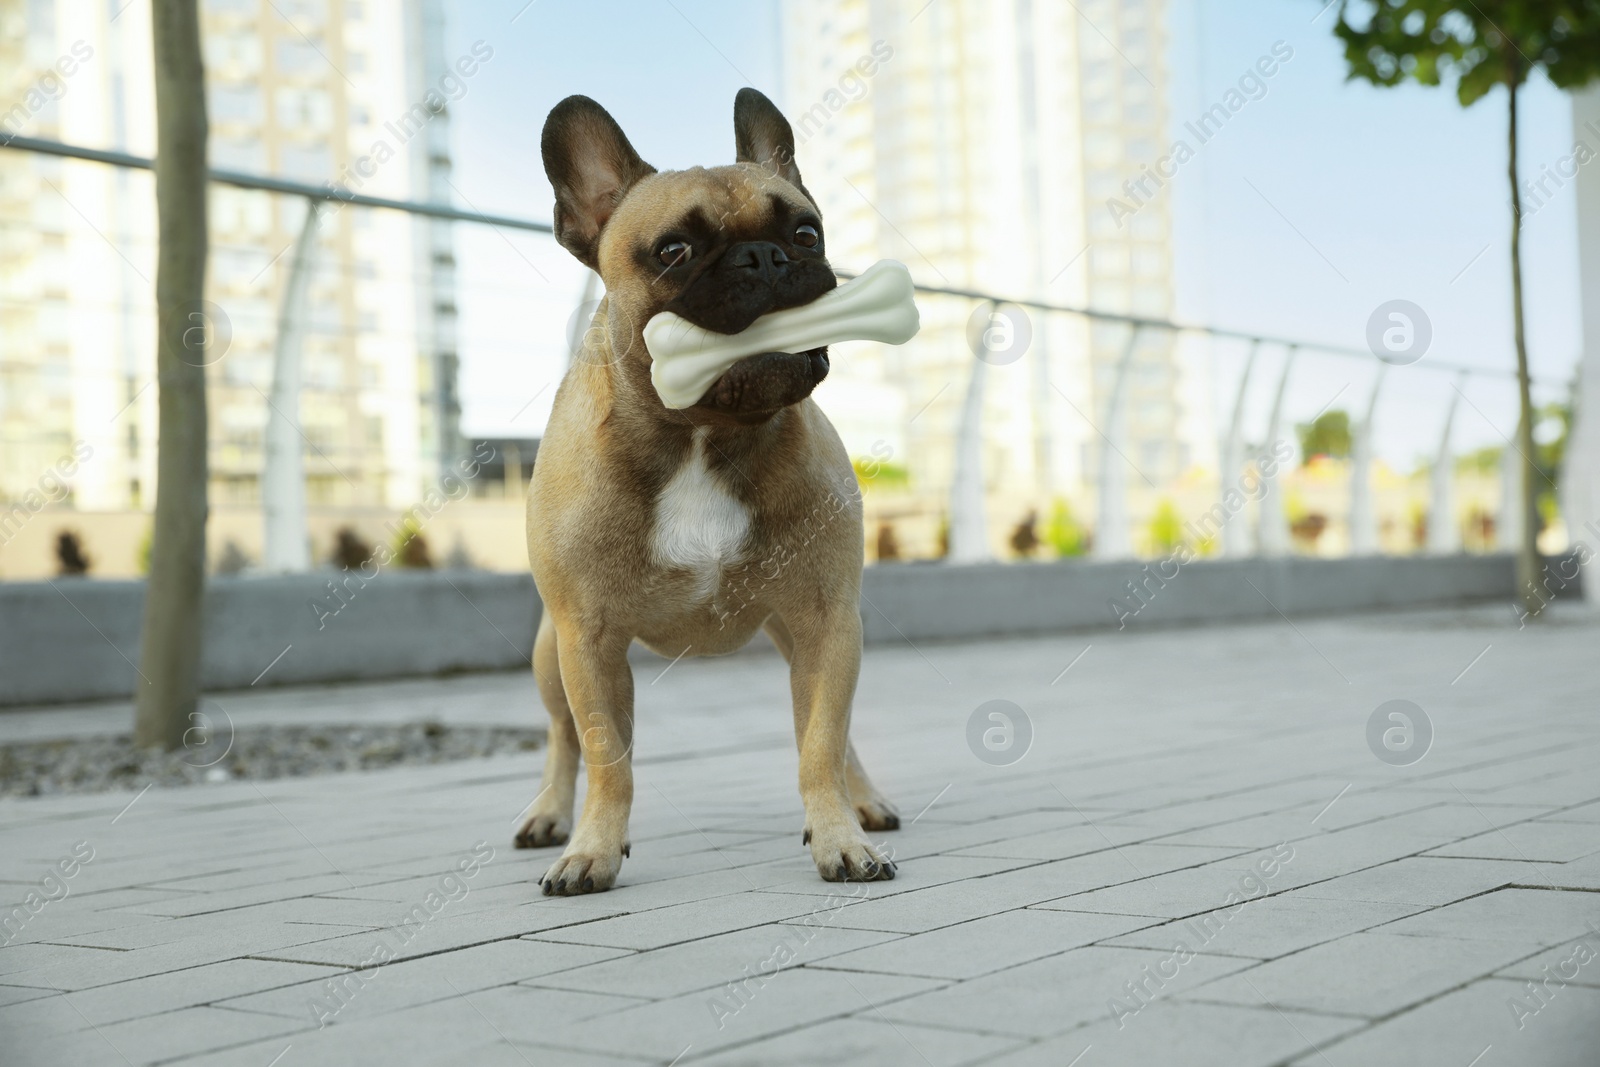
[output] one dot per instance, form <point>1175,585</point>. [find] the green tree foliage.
<point>1550,432</point>
<point>878,474</point>
<point>1479,45</point>
<point>1166,527</point>
<point>1327,435</point>
<point>1063,533</point>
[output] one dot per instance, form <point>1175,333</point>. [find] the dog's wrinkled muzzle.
<point>761,384</point>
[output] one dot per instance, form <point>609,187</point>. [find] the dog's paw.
<point>541,829</point>
<point>847,856</point>
<point>582,871</point>
<point>876,813</point>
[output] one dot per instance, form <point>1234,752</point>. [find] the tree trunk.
<point>1527,551</point>
<point>170,640</point>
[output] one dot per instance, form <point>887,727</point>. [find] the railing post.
<point>582,318</point>
<point>1443,536</point>
<point>969,523</point>
<point>1580,477</point>
<point>1363,517</point>
<point>1111,535</point>
<point>1272,524</point>
<point>1508,529</point>
<point>283,479</point>
<point>1235,540</point>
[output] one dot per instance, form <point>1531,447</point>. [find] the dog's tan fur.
<point>594,526</point>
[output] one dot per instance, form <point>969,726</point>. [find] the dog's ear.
<point>762,135</point>
<point>592,166</point>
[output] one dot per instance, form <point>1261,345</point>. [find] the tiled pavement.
<point>1210,788</point>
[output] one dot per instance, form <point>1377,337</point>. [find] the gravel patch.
<point>106,763</point>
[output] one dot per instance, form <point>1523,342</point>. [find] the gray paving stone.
<point>1585,813</point>
<point>955,902</point>
<point>1367,974</point>
<point>1060,843</point>
<point>1538,840</point>
<point>522,1054</point>
<point>1205,1035</point>
<point>1009,893</point>
<point>1421,880</point>
<point>79,973</point>
<point>187,1032</point>
<point>712,961</point>
<point>709,1020</point>
<point>33,957</point>
<point>1268,927</point>
<point>16,994</point>
<point>1578,874</point>
<point>1181,892</point>
<point>1476,1024</point>
<point>1340,852</point>
<point>410,940</point>
<point>863,1039</point>
<point>1576,962</point>
<point>703,918</point>
<point>1575,788</point>
<point>528,1013</point>
<point>982,946</point>
<point>928,838</point>
<point>1537,917</point>
<point>186,988</point>
<point>1058,993</point>
<point>439,976</point>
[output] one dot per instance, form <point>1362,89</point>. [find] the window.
<point>309,162</point>
<point>235,103</point>
<point>235,153</point>
<point>304,110</point>
<point>296,56</point>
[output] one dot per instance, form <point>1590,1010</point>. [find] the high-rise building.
<point>981,142</point>
<point>348,91</point>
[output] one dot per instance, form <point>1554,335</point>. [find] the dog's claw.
<point>805,838</point>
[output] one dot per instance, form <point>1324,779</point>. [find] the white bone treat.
<point>686,360</point>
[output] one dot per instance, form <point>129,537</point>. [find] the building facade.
<point>983,144</point>
<point>317,91</point>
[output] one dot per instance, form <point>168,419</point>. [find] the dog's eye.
<point>674,253</point>
<point>807,236</point>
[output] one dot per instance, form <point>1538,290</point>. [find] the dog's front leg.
<point>823,670</point>
<point>599,686</point>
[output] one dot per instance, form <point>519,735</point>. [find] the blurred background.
<point>1165,227</point>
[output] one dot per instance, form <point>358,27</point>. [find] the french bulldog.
<point>689,530</point>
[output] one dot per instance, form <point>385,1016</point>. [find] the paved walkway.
<point>1201,859</point>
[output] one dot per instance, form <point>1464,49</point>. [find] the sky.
<point>1314,205</point>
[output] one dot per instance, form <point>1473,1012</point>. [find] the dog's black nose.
<point>762,258</point>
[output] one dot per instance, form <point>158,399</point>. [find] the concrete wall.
<point>401,623</point>
<point>70,640</point>
<point>1012,598</point>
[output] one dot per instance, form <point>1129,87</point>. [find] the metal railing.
<point>283,478</point>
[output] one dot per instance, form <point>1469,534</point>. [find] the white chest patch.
<point>699,524</point>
